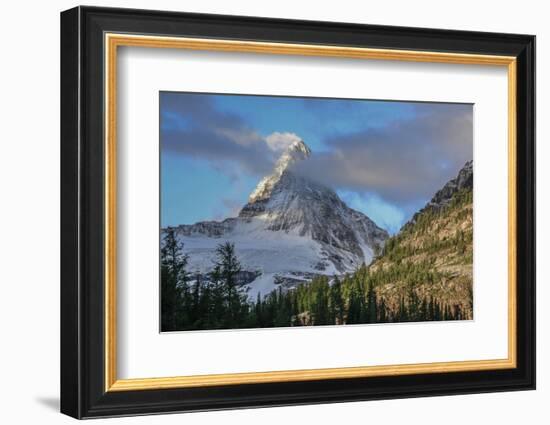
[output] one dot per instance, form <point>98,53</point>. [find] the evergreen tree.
<point>283,313</point>
<point>258,311</point>
<point>356,305</point>
<point>196,313</point>
<point>336,302</point>
<point>206,319</point>
<point>174,277</point>
<point>371,307</point>
<point>227,269</point>
<point>412,305</point>
<point>217,305</point>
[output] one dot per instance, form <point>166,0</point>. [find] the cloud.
<point>232,207</point>
<point>279,142</point>
<point>403,162</point>
<point>386,215</point>
<point>191,125</point>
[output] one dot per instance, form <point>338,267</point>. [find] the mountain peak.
<point>296,151</point>
<point>291,204</point>
<point>298,147</point>
<point>292,229</point>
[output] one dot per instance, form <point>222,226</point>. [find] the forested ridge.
<point>423,273</point>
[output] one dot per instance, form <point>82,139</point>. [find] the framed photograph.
<point>261,212</point>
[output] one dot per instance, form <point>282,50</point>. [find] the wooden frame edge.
<point>110,213</point>
<point>114,40</point>
<point>512,212</point>
<point>306,375</point>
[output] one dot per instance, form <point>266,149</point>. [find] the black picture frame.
<point>83,392</point>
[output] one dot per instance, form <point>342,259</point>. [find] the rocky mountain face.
<point>296,152</point>
<point>291,229</point>
<point>289,203</point>
<point>463,181</point>
<point>431,259</point>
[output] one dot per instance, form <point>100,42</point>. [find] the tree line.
<point>218,301</point>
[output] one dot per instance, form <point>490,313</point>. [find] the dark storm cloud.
<point>405,161</point>
<point>191,125</point>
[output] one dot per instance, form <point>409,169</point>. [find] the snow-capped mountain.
<point>291,229</point>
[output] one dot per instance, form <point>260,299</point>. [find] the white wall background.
<point>29,214</point>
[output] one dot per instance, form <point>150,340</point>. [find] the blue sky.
<point>383,158</point>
